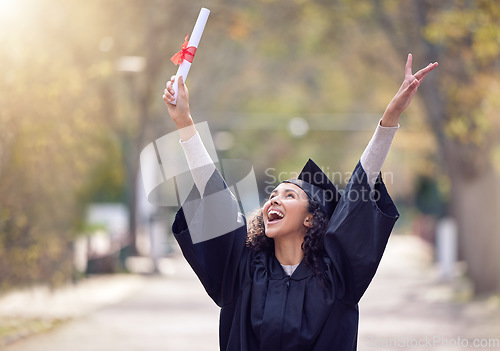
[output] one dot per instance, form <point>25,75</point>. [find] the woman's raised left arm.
<point>405,93</point>
<point>376,152</point>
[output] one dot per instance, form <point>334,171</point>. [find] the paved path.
<point>404,309</point>
<point>407,307</point>
<point>161,314</point>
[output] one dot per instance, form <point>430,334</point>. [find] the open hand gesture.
<point>405,93</point>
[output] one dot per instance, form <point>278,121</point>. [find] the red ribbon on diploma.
<point>186,53</point>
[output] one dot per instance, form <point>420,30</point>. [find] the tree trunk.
<point>475,202</point>
<point>476,207</point>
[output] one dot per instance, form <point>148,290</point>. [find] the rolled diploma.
<point>194,40</point>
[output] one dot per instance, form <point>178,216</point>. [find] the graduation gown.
<point>262,308</point>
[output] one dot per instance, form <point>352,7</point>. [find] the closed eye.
<point>289,193</point>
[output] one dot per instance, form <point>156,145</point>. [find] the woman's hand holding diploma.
<point>180,112</point>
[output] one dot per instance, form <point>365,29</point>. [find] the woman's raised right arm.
<point>209,228</point>
<point>180,113</point>
<point>199,161</point>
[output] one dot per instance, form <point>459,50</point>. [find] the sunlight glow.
<point>8,7</point>
<point>11,13</point>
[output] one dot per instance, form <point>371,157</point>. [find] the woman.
<point>292,278</point>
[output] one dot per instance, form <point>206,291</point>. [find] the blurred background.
<point>81,89</point>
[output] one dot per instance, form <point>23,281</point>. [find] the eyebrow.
<point>287,190</point>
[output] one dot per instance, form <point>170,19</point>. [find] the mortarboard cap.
<point>317,186</point>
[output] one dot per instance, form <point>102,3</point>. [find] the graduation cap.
<point>317,186</point>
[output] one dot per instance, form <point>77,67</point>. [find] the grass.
<point>13,329</point>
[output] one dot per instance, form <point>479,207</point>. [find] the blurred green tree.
<point>57,121</point>
<point>73,123</point>
<point>461,105</point>
<point>317,59</point>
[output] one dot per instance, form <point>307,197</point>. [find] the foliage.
<point>55,134</point>
<point>72,125</point>
<point>470,36</point>
<point>460,106</point>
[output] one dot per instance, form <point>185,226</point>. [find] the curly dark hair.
<point>313,245</point>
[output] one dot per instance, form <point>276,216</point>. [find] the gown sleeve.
<point>357,234</point>
<point>211,232</point>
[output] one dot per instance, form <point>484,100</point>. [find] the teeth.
<point>279,214</point>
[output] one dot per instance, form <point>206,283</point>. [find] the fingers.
<point>167,96</point>
<point>182,87</point>
<point>408,65</point>
<point>421,74</point>
<point>171,82</point>
<point>414,84</point>
<point>169,92</point>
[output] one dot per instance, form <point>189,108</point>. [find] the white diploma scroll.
<point>194,40</point>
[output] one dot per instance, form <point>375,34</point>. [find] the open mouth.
<point>274,216</point>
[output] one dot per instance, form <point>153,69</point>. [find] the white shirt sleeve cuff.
<point>199,161</point>
<point>376,152</point>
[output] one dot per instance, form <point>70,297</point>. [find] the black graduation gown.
<point>262,308</point>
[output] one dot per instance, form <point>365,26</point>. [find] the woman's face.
<point>286,212</point>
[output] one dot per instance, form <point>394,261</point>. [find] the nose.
<point>275,201</point>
